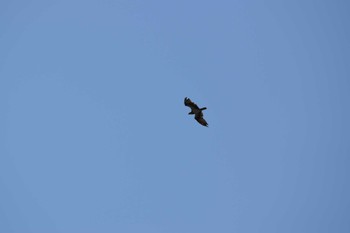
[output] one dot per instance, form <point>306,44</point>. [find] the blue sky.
<point>95,137</point>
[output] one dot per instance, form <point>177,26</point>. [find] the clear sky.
<point>94,136</point>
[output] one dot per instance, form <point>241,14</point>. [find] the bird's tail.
<point>203,108</point>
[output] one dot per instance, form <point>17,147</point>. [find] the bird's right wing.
<point>190,104</point>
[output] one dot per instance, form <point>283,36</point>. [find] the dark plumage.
<point>198,114</point>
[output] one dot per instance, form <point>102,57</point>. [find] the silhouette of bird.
<point>198,114</point>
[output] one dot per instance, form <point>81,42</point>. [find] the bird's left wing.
<point>201,120</point>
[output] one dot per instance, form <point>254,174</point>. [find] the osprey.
<point>198,114</point>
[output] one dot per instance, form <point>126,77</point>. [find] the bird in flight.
<point>198,114</point>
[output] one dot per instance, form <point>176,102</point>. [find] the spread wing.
<point>200,119</point>
<point>190,104</point>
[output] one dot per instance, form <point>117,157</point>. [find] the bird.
<point>198,114</point>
